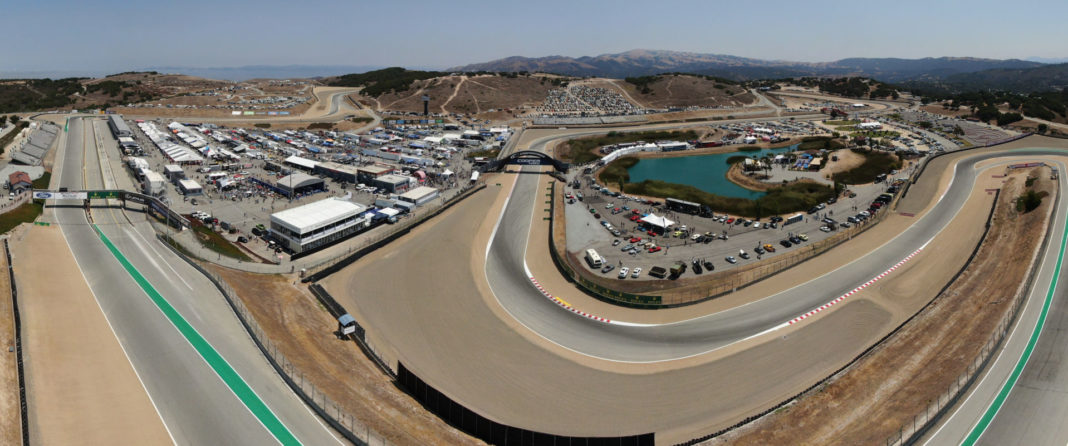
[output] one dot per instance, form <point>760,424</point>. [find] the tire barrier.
<point>23,409</point>
<point>493,432</point>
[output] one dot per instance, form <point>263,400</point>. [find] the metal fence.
<point>17,319</point>
<point>348,426</point>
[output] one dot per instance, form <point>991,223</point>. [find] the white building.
<point>190,188</point>
<point>420,195</point>
<point>869,126</point>
<point>318,224</point>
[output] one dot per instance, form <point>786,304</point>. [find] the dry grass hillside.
<point>687,91</point>
<point>465,94</point>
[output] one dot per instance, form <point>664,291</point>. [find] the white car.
<point>637,272</point>
<point>825,229</point>
<point>623,272</point>
<point>756,225</point>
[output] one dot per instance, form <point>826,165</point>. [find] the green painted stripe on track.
<point>1002,395</point>
<point>212,357</point>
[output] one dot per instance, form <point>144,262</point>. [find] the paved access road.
<point>195,404</point>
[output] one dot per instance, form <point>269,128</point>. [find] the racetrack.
<point>496,359</point>
<point>195,405</point>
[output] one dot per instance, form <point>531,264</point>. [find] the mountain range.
<point>648,62</point>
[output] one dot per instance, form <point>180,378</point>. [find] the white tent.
<point>446,173</point>
<point>658,221</point>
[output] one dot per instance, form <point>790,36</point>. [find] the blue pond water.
<point>705,172</point>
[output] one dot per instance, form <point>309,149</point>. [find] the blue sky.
<point>111,36</point>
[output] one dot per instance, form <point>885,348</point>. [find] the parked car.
<point>607,268</point>
<point>731,260</point>
<point>615,242</point>
<point>708,265</point>
<point>623,272</point>
<point>825,228</point>
<point>759,250</point>
<point>655,249</point>
<point>795,240</point>
<point>637,272</point>
<point>743,254</point>
<point>785,243</point>
<point>626,248</point>
<point>803,237</point>
<point>769,248</point>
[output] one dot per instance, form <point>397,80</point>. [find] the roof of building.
<point>172,168</point>
<point>302,162</point>
<point>298,180</point>
<point>374,169</point>
<point>393,179</point>
<point>189,184</point>
<point>418,193</point>
<point>18,177</point>
<point>309,216</point>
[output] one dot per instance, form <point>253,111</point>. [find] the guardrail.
<point>348,426</point>
<point>23,408</point>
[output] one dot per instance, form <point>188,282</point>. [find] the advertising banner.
<point>45,195</point>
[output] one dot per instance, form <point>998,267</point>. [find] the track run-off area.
<point>490,324</point>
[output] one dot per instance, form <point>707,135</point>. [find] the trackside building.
<point>318,224</point>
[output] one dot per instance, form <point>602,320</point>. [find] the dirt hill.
<point>667,91</point>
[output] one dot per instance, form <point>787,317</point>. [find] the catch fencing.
<point>347,425</point>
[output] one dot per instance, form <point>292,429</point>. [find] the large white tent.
<point>658,221</point>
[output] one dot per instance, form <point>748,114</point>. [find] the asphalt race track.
<point>195,404</point>
<point>512,287</point>
<point>489,361</point>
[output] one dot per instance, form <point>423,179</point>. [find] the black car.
<point>607,268</point>
<point>795,240</point>
<point>696,267</point>
<point>785,243</point>
<point>242,239</point>
<point>759,250</point>
<point>709,266</point>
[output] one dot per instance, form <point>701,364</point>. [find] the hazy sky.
<point>111,36</point>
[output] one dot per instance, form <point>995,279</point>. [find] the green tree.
<point>1043,128</point>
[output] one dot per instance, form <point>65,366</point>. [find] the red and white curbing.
<point>568,307</point>
<point>855,290</point>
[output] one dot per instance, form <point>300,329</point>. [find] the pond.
<point>705,172</point>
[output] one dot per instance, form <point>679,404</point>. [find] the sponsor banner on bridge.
<point>139,199</point>
<point>47,195</point>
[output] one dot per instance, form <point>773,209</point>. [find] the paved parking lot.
<point>584,231</point>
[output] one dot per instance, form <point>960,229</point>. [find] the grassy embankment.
<point>778,200</point>
<point>583,150</point>
<point>216,242</point>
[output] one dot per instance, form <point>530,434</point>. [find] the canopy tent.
<point>658,221</point>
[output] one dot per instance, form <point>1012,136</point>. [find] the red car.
<point>651,234</point>
<point>730,220</point>
<point>635,212</point>
<point>634,218</point>
<point>654,249</point>
<point>635,239</point>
